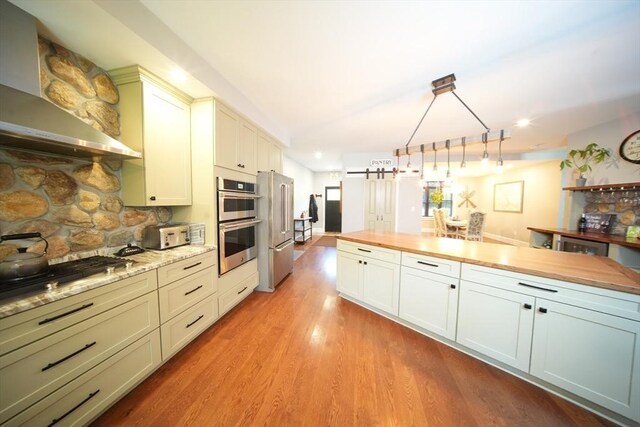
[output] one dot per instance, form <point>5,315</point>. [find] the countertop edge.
<point>557,276</point>
<point>593,237</point>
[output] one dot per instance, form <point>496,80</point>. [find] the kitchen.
<point>78,184</point>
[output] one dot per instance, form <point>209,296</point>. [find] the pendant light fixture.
<point>463,163</point>
<point>435,158</point>
<point>500,163</point>
<point>485,154</point>
<point>422,162</point>
<point>441,86</point>
<point>448,177</point>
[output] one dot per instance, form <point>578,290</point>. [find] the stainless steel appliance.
<point>588,247</point>
<point>237,223</point>
<point>165,236</point>
<point>236,199</point>
<point>275,235</point>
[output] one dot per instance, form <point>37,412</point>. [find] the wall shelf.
<point>607,187</point>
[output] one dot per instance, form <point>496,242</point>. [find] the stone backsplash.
<point>78,86</point>
<point>74,203</point>
<point>624,204</point>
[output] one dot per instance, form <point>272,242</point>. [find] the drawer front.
<point>593,298</point>
<point>78,402</point>
<point>180,330</point>
<point>182,294</point>
<point>179,269</point>
<point>33,371</point>
<point>233,296</point>
<point>382,254</point>
<point>31,325</point>
<point>434,265</point>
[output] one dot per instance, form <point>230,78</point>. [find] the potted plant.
<point>581,160</point>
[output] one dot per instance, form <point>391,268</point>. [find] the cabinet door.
<point>167,148</point>
<point>263,160</point>
<point>591,354</point>
<point>381,284</point>
<point>349,275</point>
<point>496,323</point>
<point>430,301</point>
<point>275,158</point>
<point>247,147</point>
<point>227,137</point>
<point>380,204</point>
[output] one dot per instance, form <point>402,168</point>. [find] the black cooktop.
<point>60,273</point>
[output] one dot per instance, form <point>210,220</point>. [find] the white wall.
<point>540,207</point>
<point>408,205</point>
<point>352,204</point>
<point>302,184</point>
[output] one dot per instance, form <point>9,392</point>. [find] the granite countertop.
<point>149,260</point>
<point>595,271</point>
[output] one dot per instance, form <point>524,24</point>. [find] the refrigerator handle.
<point>283,208</point>
<point>287,222</point>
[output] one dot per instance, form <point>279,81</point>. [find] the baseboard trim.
<point>508,240</point>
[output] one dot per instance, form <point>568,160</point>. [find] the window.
<point>428,206</point>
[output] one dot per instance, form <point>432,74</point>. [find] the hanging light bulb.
<point>500,163</point>
<point>397,168</point>
<point>485,156</point>
<point>435,158</point>
<point>422,162</point>
<point>448,178</point>
<point>463,163</point>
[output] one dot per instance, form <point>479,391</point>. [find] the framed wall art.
<point>507,196</point>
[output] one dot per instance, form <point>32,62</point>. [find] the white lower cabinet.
<point>430,301</point>
<point>237,293</point>
<point>594,355</point>
<point>368,278</point>
<point>81,400</point>
<point>496,323</point>
<point>33,371</point>
<point>179,331</point>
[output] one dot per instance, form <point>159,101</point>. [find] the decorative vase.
<point>580,182</point>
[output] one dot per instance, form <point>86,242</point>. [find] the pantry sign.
<point>381,163</point>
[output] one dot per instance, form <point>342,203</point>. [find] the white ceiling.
<point>354,76</point>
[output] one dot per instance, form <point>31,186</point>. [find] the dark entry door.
<point>333,209</point>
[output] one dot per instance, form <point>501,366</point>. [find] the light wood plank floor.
<point>303,356</point>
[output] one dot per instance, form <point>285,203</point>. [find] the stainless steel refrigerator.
<point>275,232</point>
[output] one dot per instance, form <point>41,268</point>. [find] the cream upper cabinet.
<point>155,120</point>
<point>236,141</point>
<point>269,154</point>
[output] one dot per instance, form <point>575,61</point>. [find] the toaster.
<point>165,236</point>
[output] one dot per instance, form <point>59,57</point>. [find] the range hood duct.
<point>28,121</point>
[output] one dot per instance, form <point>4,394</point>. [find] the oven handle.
<point>239,225</point>
<point>230,195</point>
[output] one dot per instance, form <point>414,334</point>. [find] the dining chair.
<point>444,230</point>
<point>475,227</point>
<point>439,223</point>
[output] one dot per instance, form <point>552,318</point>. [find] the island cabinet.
<point>188,300</point>
<point>585,340</point>
<point>155,120</point>
<point>369,274</point>
<point>236,141</point>
<point>429,293</point>
<point>70,359</point>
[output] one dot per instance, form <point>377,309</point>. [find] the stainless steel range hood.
<point>28,121</point>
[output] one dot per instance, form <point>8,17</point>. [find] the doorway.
<point>333,209</point>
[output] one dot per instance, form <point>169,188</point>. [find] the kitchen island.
<point>555,319</point>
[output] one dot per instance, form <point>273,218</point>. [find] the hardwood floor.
<point>303,356</point>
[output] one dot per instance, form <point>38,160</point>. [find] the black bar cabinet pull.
<point>194,322</point>
<point>452,286</point>
<point>57,420</point>
<point>192,290</point>
<point>542,310</point>
<point>241,291</point>
<point>428,263</point>
<point>364,250</point>
<point>75,353</point>
<point>536,287</point>
<point>75,310</point>
<point>152,198</point>
<point>191,266</point>
<point>527,306</point>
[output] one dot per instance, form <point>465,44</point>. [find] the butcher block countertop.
<point>596,271</point>
<point>594,237</point>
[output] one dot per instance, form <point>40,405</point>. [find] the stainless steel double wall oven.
<point>237,203</point>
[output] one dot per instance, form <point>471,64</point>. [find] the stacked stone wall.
<point>73,203</point>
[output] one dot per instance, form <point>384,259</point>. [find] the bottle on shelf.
<point>582,223</point>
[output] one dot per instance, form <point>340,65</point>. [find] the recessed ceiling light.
<point>178,75</point>
<point>523,123</point>
<point>317,155</point>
